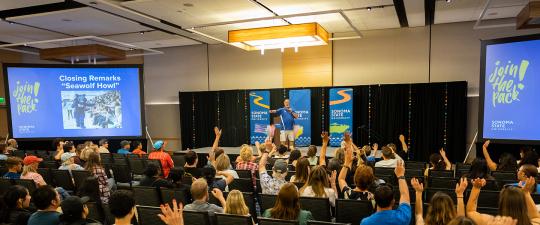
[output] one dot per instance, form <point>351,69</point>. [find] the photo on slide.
<point>91,109</point>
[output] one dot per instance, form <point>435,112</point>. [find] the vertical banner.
<point>341,111</point>
<point>259,104</point>
<point>301,104</point>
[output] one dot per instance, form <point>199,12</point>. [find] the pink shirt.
<point>36,177</point>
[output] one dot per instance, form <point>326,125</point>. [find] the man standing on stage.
<point>287,121</point>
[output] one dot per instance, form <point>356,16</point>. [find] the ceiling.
<point>166,23</point>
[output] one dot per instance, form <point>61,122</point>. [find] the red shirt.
<point>138,152</point>
<point>165,159</point>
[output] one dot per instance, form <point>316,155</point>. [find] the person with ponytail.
<point>16,202</point>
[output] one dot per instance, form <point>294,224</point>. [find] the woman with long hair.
<point>294,156</point>
<point>16,202</point>
<point>441,209</point>
<point>235,204</point>
<point>287,206</point>
<point>94,166</point>
<point>29,172</point>
<point>302,171</point>
<point>312,155</point>
<point>479,169</point>
<point>507,162</point>
<point>364,179</point>
<point>513,202</point>
<point>320,185</point>
<point>438,161</point>
<point>223,164</point>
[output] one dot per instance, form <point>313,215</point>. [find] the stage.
<point>236,150</point>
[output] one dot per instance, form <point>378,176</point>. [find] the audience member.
<point>507,162</point>
<point>137,148</point>
<point>312,155</point>
<point>30,170</point>
<point>151,178</point>
<point>320,185</point>
<point>479,169</point>
<point>75,212</point>
<point>14,167</point>
<point>281,152</point>
<point>384,198</point>
<point>12,145</point>
<point>172,216</point>
<point>94,166</point>
<point>124,147</point>
<point>199,192</point>
<point>4,153</point>
<point>103,146</point>
<point>294,156</point>
<point>70,147</point>
<point>388,156</point>
<point>122,207</point>
<point>438,161</point>
<point>58,145</point>
<point>529,157</point>
<point>47,200</point>
<point>235,204</point>
<point>245,162</point>
<point>525,172</point>
<point>223,164</point>
<point>90,188</point>
<point>175,178</point>
<point>287,206</point>
<point>68,162</point>
<point>363,180</point>
<point>514,202</point>
<point>87,150</point>
<point>209,174</point>
<point>16,201</point>
<point>303,168</point>
<point>462,220</point>
<point>160,154</point>
<point>272,184</point>
<point>441,209</point>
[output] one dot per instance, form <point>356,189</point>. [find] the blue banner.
<point>301,105</point>
<point>259,104</point>
<point>341,113</point>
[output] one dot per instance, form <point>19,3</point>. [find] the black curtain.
<point>431,116</point>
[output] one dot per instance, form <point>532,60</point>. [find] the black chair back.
<point>501,175</point>
<point>268,221</point>
<point>167,195</point>
<point>79,176</point>
<point>51,164</point>
<point>137,166</point>
<point>230,219</point>
<point>122,174</point>
<point>267,201</point>
<point>28,184</point>
<point>441,173</point>
<point>4,185</point>
<point>149,215</point>
<point>194,217</point>
<point>63,179</point>
<point>319,207</point>
<point>242,184</point>
<point>383,171</point>
<point>106,158</point>
<point>249,199</point>
<point>146,196</point>
<point>178,160</point>
<point>487,210</point>
<point>415,173</point>
<point>244,173</point>
<point>47,176</point>
<point>352,211</point>
<point>441,182</point>
<point>451,192</point>
<point>95,211</point>
<point>19,153</point>
<point>109,217</point>
<point>412,165</point>
<point>313,222</point>
<point>214,200</point>
<point>488,199</point>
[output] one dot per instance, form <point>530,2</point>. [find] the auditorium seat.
<point>147,196</point>
<point>488,210</point>
<point>268,221</point>
<point>415,173</point>
<point>488,199</point>
<point>3,170</point>
<point>299,185</point>
<point>148,215</point>
<point>4,185</point>
<point>441,173</point>
<point>352,211</point>
<point>230,219</point>
<point>46,174</point>
<point>503,175</point>
<point>95,212</point>
<point>242,184</point>
<point>441,182</point>
<point>249,199</point>
<point>194,217</point>
<point>28,184</point>
<point>137,166</point>
<point>167,195</point>
<point>314,222</point>
<point>244,173</point>
<point>106,158</point>
<point>19,153</point>
<point>132,156</point>
<point>122,174</point>
<point>79,176</point>
<point>319,207</point>
<point>195,172</point>
<point>51,164</point>
<point>429,192</point>
<point>63,179</point>
<point>109,217</point>
<point>178,160</point>
<point>412,165</point>
<point>378,171</point>
<point>267,201</point>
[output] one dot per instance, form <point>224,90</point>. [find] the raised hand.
<point>268,144</point>
<point>217,193</point>
<point>325,137</point>
<point>401,138</point>
<point>529,184</point>
<point>348,157</point>
<point>375,147</point>
<point>347,137</point>
<point>461,187</point>
<point>400,169</point>
<point>217,131</point>
<point>332,177</point>
<point>172,216</point>
<point>486,144</point>
<point>418,187</point>
<point>442,152</point>
<point>479,183</point>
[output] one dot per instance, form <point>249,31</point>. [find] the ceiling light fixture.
<point>448,1</point>
<point>142,32</point>
<point>368,8</point>
<point>277,37</point>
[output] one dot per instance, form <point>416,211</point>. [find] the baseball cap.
<point>280,166</point>
<point>31,159</point>
<point>158,144</point>
<point>124,143</point>
<point>72,206</point>
<point>67,155</point>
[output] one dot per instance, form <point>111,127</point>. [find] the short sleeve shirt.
<point>38,179</point>
<point>286,118</point>
<point>401,215</point>
<point>270,185</point>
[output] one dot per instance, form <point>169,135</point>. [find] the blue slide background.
<point>518,119</point>
<point>46,120</point>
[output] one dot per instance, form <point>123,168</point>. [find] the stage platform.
<point>236,150</point>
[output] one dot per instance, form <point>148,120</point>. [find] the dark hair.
<point>92,161</point>
<point>135,144</point>
<point>282,149</point>
<point>441,209</point>
<point>103,141</point>
<point>387,152</point>
<point>363,177</point>
<point>56,142</point>
<point>208,173</point>
<point>334,164</point>
<point>71,212</point>
<point>529,157</point>
<point>43,196</point>
<point>384,195</point>
<point>13,161</point>
<point>90,188</point>
<point>3,148</point>
<point>121,203</point>
<point>437,161</point>
<point>507,162</point>
<point>11,196</point>
<point>191,157</point>
<point>68,145</point>
<point>287,206</point>
<point>312,151</point>
<point>302,170</point>
<point>295,155</point>
<point>151,170</point>
<point>461,220</point>
<point>176,174</point>
<point>479,169</point>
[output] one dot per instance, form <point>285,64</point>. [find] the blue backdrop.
<point>341,113</point>
<point>42,99</point>
<point>512,91</point>
<point>301,103</point>
<point>259,104</point>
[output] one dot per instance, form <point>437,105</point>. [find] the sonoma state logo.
<point>502,125</point>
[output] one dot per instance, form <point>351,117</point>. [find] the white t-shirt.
<point>330,193</point>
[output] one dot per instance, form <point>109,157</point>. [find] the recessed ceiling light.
<point>448,1</point>
<point>368,8</point>
<point>188,4</point>
<point>142,32</point>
